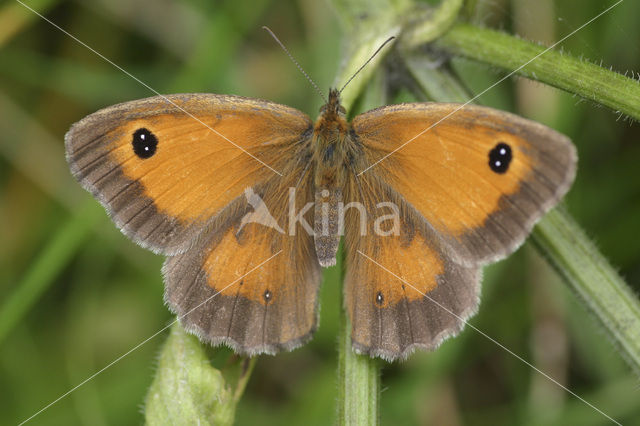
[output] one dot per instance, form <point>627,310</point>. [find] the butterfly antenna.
<point>295,62</point>
<point>369,60</point>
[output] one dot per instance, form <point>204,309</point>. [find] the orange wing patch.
<point>462,188</point>
<point>414,262</point>
<point>235,257</point>
<point>264,267</point>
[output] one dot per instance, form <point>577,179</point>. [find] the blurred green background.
<point>101,295</point>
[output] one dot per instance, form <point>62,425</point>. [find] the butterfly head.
<point>333,109</point>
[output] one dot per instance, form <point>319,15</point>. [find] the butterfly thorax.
<point>330,144</point>
<point>330,137</point>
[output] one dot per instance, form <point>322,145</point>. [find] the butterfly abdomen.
<point>327,224</point>
<point>329,182</point>
<point>330,144</point>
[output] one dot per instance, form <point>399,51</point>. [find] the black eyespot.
<point>379,298</point>
<point>500,158</point>
<point>267,296</point>
<point>144,143</point>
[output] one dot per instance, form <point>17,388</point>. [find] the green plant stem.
<point>371,23</point>
<point>359,53</point>
<point>51,260</point>
<point>437,21</point>
<point>593,279</point>
<point>358,377</point>
<point>359,381</point>
<point>600,85</point>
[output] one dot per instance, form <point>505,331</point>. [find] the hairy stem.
<point>553,67</point>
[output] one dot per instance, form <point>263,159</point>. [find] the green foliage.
<point>187,389</point>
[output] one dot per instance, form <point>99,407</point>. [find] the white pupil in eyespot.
<point>498,163</point>
<point>502,150</point>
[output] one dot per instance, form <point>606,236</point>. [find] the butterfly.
<point>248,200</point>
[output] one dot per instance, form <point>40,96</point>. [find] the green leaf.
<point>188,389</point>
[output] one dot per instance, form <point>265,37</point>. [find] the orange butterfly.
<point>248,199</point>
